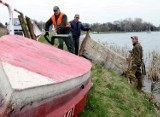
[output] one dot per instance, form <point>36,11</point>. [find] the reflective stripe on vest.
<point>59,21</point>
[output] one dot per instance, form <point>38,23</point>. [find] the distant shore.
<point>121,32</point>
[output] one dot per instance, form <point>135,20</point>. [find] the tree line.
<point>126,25</point>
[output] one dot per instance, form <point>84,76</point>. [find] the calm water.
<point>149,41</point>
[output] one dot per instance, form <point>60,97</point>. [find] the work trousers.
<point>76,44</point>
<point>135,74</point>
<point>69,43</point>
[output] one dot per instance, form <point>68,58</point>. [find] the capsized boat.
<point>38,80</point>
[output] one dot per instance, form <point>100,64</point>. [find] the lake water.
<point>149,41</point>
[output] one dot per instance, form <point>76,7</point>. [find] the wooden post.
<point>24,26</point>
<point>30,27</point>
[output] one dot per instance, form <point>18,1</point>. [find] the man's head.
<point>134,39</point>
<point>76,17</point>
<point>56,10</point>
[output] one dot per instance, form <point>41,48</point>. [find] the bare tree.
<point>126,25</point>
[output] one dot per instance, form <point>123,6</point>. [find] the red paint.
<point>50,61</point>
<point>4,3</point>
<point>72,101</point>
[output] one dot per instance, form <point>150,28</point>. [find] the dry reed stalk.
<point>154,66</point>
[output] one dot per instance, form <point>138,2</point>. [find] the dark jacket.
<point>137,54</point>
<point>62,27</point>
<point>76,28</point>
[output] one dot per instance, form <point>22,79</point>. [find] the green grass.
<point>111,96</point>
<point>43,40</point>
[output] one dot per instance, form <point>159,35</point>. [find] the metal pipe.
<point>11,19</point>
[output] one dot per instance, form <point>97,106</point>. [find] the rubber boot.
<point>139,88</point>
<point>140,84</point>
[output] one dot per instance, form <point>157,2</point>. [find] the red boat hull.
<point>37,80</point>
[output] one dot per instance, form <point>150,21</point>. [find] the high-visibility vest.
<point>59,21</point>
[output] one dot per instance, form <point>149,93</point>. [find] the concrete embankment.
<point>101,54</point>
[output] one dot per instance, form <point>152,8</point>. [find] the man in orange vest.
<point>62,26</point>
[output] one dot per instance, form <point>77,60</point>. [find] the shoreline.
<point>121,32</point>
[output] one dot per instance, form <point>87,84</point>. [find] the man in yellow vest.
<point>62,26</point>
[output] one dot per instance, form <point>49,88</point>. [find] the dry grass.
<point>2,31</point>
<point>152,60</point>
<point>154,66</point>
<point>123,51</point>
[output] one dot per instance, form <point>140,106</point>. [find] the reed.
<point>123,51</point>
<point>154,66</point>
<point>151,59</point>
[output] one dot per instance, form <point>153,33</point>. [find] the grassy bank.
<point>111,96</point>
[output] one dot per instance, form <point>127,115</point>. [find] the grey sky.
<point>90,10</point>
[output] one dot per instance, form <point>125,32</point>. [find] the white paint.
<point>24,97</point>
<point>11,20</point>
<point>20,78</point>
<point>5,89</point>
<point>27,96</point>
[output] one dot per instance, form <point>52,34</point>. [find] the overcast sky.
<point>90,10</point>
